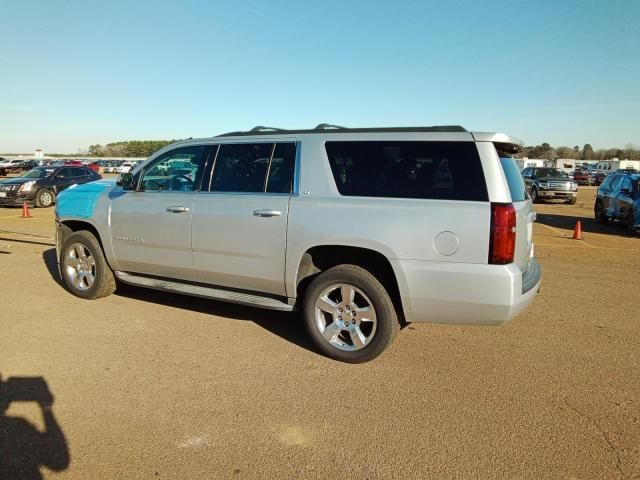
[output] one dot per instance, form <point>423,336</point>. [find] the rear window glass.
<point>426,170</point>
<point>517,187</point>
<point>514,179</point>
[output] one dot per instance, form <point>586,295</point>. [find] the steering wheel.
<point>160,185</point>
<point>189,183</point>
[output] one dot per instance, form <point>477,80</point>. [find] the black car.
<point>550,184</point>
<point>40,186</point>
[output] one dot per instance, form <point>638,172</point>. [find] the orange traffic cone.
<point>577,231</point>
<point>25,211</point>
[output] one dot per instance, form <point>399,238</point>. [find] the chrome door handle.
<point>267,213</point>
<point>178,209</point>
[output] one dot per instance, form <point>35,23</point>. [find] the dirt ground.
<point>151,385</point>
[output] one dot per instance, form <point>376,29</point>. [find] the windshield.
<point>40,172</point>
<point>550,172</point>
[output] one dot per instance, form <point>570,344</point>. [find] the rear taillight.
<point>502,243</point>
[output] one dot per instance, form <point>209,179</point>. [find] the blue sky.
<point>75,73</point>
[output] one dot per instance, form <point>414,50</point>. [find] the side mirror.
<point>126,181</point>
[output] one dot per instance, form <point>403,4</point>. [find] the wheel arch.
<point>319,258</point>
<point>69,226</point>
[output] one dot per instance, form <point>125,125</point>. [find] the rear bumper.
<point>465,294</point>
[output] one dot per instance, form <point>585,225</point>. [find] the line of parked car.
<point>43,180</point>
<point>8,166</point>
<point>618,196</point>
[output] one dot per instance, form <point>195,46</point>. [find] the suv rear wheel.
<point>534,195</point>
<point>84,269</point>
<point>349,314</point>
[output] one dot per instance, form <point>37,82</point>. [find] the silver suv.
<point>361,230</point>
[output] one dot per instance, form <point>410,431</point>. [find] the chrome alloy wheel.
<point>46,199</point>
<point>80,267</point>
<point>345,317</point>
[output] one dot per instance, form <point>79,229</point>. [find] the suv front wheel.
<point>84,269</point>
<point>599,213</point>
<point>349,314</point>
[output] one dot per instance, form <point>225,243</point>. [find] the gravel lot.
<point>151,385</point>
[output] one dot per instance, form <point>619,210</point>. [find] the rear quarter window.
<point>394,169</point>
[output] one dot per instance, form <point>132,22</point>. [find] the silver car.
<point>360,230</point>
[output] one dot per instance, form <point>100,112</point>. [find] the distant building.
<point>532,162</point>
<point>614,164</point>
<point>38,154</point>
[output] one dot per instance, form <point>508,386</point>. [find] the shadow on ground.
<point>23,448</point>
<point>51,262</point>
<point>283,324</point>
<point>287,325</point>
<point>588,224</point>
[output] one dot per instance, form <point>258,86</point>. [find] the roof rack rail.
<point>327,129</point>
<point>260,128</point>
<point>328,126</point>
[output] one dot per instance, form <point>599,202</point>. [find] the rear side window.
<point>241,167</point>
<point>254,168</point>
<point>426,170</point>
<point>281,168</point>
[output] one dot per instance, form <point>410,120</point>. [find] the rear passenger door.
<point>239,228</point>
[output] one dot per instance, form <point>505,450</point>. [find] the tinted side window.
<point>281,168</point>
<point>615,183</point>
<point>626,184</point>
<point>606,182</point>
<point>65,172</point>
<point>429,170</point>
<point>177,170</point>
<point>241,167</point>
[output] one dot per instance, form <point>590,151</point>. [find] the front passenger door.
<point>624,200</point>
<point>151,226</point>
<point>609,199</point>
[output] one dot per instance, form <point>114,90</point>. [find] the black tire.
<point>599,214</point>
<point>103,283</point>
<point>534,195</point>
<point>572,201</point>
<point>386,325</point>
<point>45,198</point>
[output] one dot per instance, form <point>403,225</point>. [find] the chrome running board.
<point>204,292</point>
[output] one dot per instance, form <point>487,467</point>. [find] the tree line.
<point>144,148</point>
<point>629,152</point>
<point>132,148</point>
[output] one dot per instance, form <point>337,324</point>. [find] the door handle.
<point>267,213</point>
<point>178,209</point>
